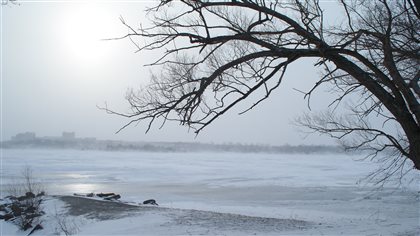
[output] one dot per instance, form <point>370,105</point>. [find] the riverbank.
<point>85,216</point>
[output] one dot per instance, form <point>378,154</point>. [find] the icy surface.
<point>325,189</point>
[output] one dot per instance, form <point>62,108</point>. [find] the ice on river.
<point>323,188</point>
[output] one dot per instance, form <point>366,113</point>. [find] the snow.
<point>324,189</point>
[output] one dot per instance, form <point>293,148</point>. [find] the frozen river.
<point>326,188</point>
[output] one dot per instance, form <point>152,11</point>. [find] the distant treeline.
<point>111,145</point>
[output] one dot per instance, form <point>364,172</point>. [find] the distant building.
<point>89,140</point>
<point>27,136</point>
<point>68,136</point>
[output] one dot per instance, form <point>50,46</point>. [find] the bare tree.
<point>215,54</point>
<point>25,206</point>
<point>25,183</point>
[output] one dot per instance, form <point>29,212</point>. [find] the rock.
<point>8,216</point>
<point>105,194</point>
<point>13,198</point>
<point>22,198</point>
<point>90,195</point>
<point>30,195</point>
<point>150,202</point>
<point>16,209</point>
<point>18,213</point>
<point>30,209</point>
<point>113,197</point>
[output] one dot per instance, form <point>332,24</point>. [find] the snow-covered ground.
<point>323,189</point>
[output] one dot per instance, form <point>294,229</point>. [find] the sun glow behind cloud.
<point>57,69</point>
<point>81,32</point>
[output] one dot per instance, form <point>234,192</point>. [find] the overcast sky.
<point>56,70</point>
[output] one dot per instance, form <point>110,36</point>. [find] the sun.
<point>82,30</point>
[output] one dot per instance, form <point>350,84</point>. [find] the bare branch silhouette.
<point>215,54</point>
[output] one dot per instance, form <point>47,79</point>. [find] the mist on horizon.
<point>57,71</point>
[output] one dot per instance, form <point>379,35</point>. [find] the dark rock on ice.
<point>113,197</point>
<point>8,217</point>
<point>150,202</point>
<point>16,209</point>
<point>105,194</point>
<point>30,209</point>
<point>30,195</point>
<point>22,198</point>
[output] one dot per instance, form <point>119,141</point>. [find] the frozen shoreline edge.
<point>103,210</point>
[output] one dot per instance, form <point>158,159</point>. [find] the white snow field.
<point>265,194</point>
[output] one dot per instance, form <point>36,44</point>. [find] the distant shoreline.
<point>112,145</point>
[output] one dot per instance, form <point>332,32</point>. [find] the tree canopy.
<point>215,54</point>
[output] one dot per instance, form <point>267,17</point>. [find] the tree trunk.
<point>415,150</point>
<point>412,131</point>
<point>417,4</point>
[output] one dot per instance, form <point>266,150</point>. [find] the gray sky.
<point>56,70</point>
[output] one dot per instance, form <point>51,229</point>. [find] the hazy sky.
<point>56,70</point>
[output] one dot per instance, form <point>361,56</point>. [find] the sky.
<point>57,70</point>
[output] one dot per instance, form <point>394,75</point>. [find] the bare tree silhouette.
<point>215,54</point>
